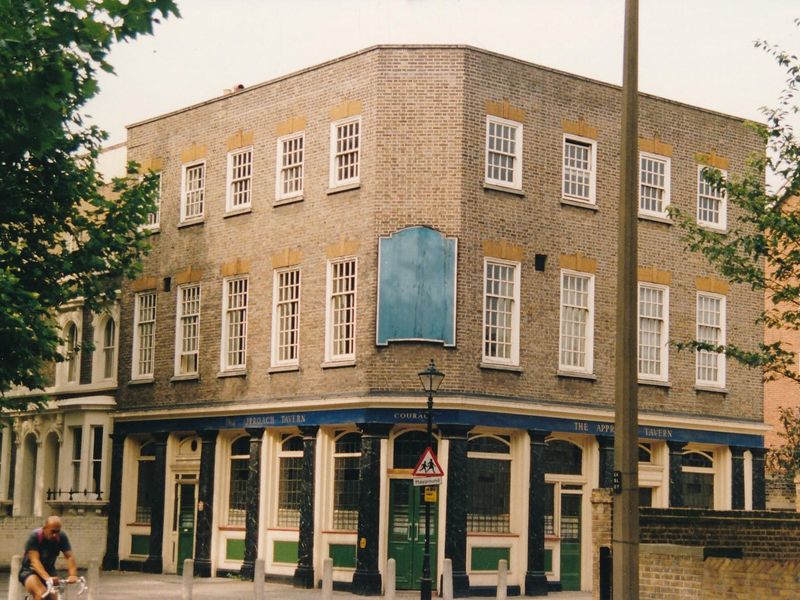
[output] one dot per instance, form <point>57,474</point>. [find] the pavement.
<point>125,586</point>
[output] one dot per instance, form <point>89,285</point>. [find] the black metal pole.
<point>425,580</point>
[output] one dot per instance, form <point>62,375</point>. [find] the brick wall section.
<point>602,510</point>
<point>750,579</point>
<point>669,572</point>
<point>87,534</point>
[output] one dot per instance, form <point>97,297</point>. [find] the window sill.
<point>655,218</point>
<point>337,364</point>
<point>501,188</point>
<point>343,188</point>
<point>232,528</point>
<point>232,373</point>
<point>152,230</point>
<point>500,367</point>
<point>283,369</point>
<point>711,388</point>
<point>290,200</point>
<point>137,524</point>
<point>192,223</point>
<point>579,203</point>
<point>236,212</point>
<point>143,381</point>
<point>576,375</point>
<point>712,227</point>
<point>499,534</point>
<point>655,383</point>
<point>192,377</point>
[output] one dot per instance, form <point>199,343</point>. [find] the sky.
<point>695,51</point>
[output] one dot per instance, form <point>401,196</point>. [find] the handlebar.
<point>62,583</point>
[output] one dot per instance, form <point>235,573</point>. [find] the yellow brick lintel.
<point>151,164</point>
<point>713,285</point>
<point>712,159</point>
<point>292,125</point>
<point>189,275</point>
<point>653,275</point>
<point>240,139</point>
<point>581,128</point>
<point>505,110</point>
<point>342,248</point>
<point>286,258</point>
<point>237,267</point>
<point>348,108</point>
<point>655,146</point>
<point>193,153</point>
<point>578,262</point>
<point>144,283</point>
<point>503,250</point>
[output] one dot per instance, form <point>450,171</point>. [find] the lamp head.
<point>431,378</point>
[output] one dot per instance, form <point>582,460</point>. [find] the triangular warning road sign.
<point>428,466</point>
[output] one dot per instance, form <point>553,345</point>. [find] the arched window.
<point>73,366</point>
<point>346,454</point>
<point>698,479</point>
<point>109,348</point>
<point>563,457</point>
<point>489,483</point>
<point>408,448</point>
<point>290,459</point>
<point>237,497</point>
<point>145,481</point>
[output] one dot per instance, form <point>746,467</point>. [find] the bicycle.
<point>58,590</point>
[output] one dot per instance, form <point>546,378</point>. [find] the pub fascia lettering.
<point>410,415</point>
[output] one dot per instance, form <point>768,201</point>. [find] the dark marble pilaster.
<point>367,577</point>
<point>455,539</point>
<point>535,578</point>
<point>154,562</point>
<point>12,464</point>
<point>676,473</point>
<point>253,504</point>
<point>205,504</point>
<point>606,460</point>
<point>737,478</point>
<point>111,558</point>
<point>759,492</point>
<point>304,573</point>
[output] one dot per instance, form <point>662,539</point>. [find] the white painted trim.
<point>334,182</point>
<point>589,367</point>
<point>184,168</point>
<point>515,312</point>
<point>516,182</point>
<point>667,185</point>
<point>229,208</point>
<point>274,361</point>
<point>664,358</point>
<point>178,327</point>
<point>330,357</point>
<point>592,198</point>
<point>279,195</point>
<point>224,367</point>
<point>723,204</point>
<point>136,338</point>
<point>721,367</point>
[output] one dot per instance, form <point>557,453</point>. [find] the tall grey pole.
<point>626,500</point>
<point>425,583</point>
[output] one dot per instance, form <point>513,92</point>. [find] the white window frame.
<point>201,190</point>
<point>137,323</point>
<point>277,330</point>
<point>225,344</point>
<point>663,375</point>
<point>179,328</point>
<point>331,340</point>
<point>154,218</point>
<point>72,355</point>
<point>588,367</point>
<point>721,364</point>
<point>716,470</point>
<point>591,198</point>
<point>280,167</point>
<point>76,462</point>
<point>335,182</point>
<point>702,186</point>
<point>516,156</point>
<point>513,359</point>
<point>230,182</point>
<point>104,349</point>
<point>665,198</point>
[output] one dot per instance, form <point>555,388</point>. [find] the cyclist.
<point>39,564</point>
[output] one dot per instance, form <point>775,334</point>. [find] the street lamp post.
<point>431,379</point>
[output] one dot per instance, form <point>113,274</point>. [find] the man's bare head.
<point>52,527</point>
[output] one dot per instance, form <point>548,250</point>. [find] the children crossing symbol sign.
<point>428,471</point>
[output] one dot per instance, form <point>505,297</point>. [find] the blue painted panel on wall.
<point>417,287</point>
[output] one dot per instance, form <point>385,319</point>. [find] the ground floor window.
<point>237,491</point>
<point>347,452</point>
<point>290,460</point>
<point>145,481</point>
<point>489,484</point>
<point>698,479</point>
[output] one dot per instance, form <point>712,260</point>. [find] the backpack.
<point>40,536</point>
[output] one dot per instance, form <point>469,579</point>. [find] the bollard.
<point>390,581</point>
<point>188,579</point>
<point>502,579</point>
<point>258,579</point>
<point>14,587</point>
<point>93,579</point>
<point>327,579</point>
<point>447,580</point>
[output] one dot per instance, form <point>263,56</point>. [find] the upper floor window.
<point>286,318</point>
<point>154,218</point>
<point>193,191</point>
<point>144,335</point>
<point>711,203</point>
<point>187,342</point>
<point>109,348</point>
<point>579,169</point>
<point>97,460</point>
<point>72,353</point>
<point>290,166</point>
<point>576,345</point>
<point>711,330</point>
<point>345,151</point>
<point>653,331</point>
<point>240,178</point>
<point>341,315</point>
<point>75,459</point>
<point>503,152</point>
<point>234,326</point>
<point>501,312</point>
<point>654,174</point>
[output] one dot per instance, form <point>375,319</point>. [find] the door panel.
<point>186,522</point>
<point>571,541</point>
<point>407,533</point>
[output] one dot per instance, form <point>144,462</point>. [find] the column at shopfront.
<point>155,562</point>
<point>676,473</point>
<point>606,470</point>
<point>253,495</point>
<point>455,541</point>
<point>111,558</point>
<point>737,478</point>
<point>205,503</point>
<point>304,573</point>
<point>759,491</point>
<point>367,577</point>
<point>535,578</point>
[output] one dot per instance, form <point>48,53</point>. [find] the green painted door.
<point>186,505</point>
<point>407,533</point>
<point>571,541</point>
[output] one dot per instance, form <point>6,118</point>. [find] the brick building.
<point>322,236</point>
